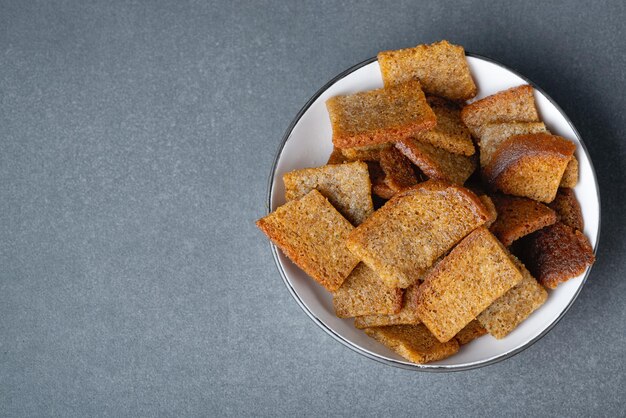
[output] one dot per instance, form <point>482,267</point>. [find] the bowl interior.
<point>308,144</point>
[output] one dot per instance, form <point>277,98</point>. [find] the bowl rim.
<point>391,362</point>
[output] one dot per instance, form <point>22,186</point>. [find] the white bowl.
<point>307,143</point>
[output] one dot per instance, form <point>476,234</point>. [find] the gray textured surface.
<point>135,141</point>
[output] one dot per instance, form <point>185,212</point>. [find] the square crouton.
<point>512,308</point>
<point>530,165</point>
<point>312,234</point>
<point>364,293</point>
<point>346,186</point>
<point>518,217</point>
<point>441,68</point>
<point>516,104</point>
<point>418,225</point>
<point>379,116</point>
<point>469,279</point>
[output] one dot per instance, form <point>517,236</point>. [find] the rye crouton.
<point>516,104</point>
<point>312,234</point>
<point>518,216</point>
<point>440,67</point>
<point>379,116</point>
<point>530,166</point>
<point>469,279</point>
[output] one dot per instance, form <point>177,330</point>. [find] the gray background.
<point>135,143</point>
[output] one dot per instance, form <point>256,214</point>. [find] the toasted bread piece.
<point>336,157</point>
<point>491,209</point>
<point>568,209</point>
<point>492,135</point>
<point>530,165</point>
<point>437,163</point>
<point>377,177</point>
<point>516,104</point>
<point>347,186</point>
<point>469,279</point>
<point>509,310</point>
<point>441,68</point>
<point>364,293</point>
<point>379,116</point>
<point>418,225</point>
<point>558,253</point>
<point>413,342</point>
<point>367,153</point>
<point>398,170</point>
<point>471,331</point>
<point>518,216</point>
<point>570,176</point>
<point>406,316</point>
<point>450,133</point>
<point>312,234</point>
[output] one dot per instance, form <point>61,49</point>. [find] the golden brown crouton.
<point>336,157</point>
<point>518,216</point>
<point>530,165</point>
<point>441,68</point>
<point>312,234</point>
<point>469,279</point>
<point>516,104</point>
<point>379,116</point>
<point>491,209</point>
